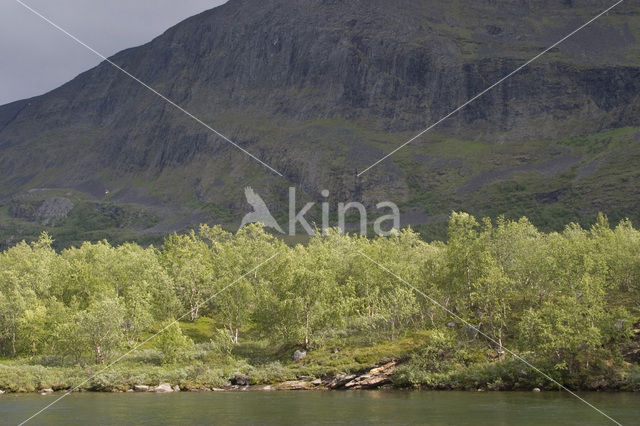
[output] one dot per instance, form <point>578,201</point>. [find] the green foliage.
<point>99,327</point>
<point>222,343</point>
<point>568,301</point>
<point>174,345</point>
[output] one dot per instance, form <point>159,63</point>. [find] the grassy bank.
<point>425,360</point>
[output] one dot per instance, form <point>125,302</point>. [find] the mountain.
<point>319,89</point>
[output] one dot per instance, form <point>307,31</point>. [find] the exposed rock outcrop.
<point>54,210</point>
<point>375,378</point>
<point>340,380</point>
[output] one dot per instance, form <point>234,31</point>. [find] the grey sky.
<point>35,57</point>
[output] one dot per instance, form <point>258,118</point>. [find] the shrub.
<point>174,345</point>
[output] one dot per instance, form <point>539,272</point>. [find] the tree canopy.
<point>563,299</point>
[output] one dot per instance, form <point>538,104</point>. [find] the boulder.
<point>299,355</point>
<point>141,388</point>
<point>176,388</point>
<point>240,380</point>
<point>163,388</point>
<point>46,391</point>
<point>316,382</point>
<point>536,390</point>
<point>1,391</point>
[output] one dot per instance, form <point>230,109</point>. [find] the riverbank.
<point>507,375</point>
<point>426,360</point>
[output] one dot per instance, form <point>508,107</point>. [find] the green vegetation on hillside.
<point>551,181</point>
<point>567,302</point>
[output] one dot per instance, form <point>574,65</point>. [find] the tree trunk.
<point>393,327</point>
<point>233,333</point>
<point>194,311</point>
<point>99,355</point>
<point>193,303</point>
<point>306,331</point>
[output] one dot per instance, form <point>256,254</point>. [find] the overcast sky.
<point>35,57</point>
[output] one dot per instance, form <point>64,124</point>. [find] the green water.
<point>378,407</point>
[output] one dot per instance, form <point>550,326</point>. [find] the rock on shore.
<point>375,378</point>
<point>163,388</point>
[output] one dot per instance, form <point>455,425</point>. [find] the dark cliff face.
<point>260,71</point>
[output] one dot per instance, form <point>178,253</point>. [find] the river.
<point>321,407</point>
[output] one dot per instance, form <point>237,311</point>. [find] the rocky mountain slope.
<point>319,89</point>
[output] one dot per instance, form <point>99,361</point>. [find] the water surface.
<point>318,407</point>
